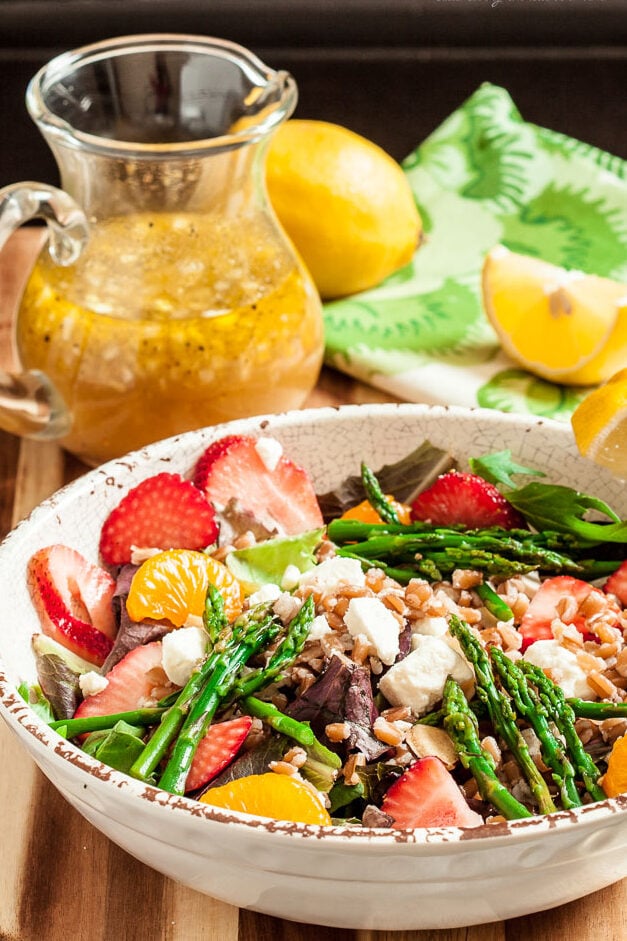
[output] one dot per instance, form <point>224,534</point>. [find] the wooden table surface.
<point>60,878</point>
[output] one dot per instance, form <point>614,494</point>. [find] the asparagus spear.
<point>530,707</point>
<point>214,616</point>
<point>598,710</point>
<point>501,712</point>
<point>377,499</point>
<point>461,724</point>
<point>562,715</point>
<point>496,605</point>
<point>252,632</point>
<point>449,547</point>
<point>286,652</point>
<point>174,717</point>
<point>73,727</point>
<point>300,732</point>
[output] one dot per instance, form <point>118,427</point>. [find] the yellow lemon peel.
<point>345,203</point>
<point>562,325</point>
<point>600,425</point>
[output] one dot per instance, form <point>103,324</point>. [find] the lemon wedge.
<point>600,425</point>
<point>562,325</point>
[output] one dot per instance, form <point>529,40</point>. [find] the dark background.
<point>389,69</point>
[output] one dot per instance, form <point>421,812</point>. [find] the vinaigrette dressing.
<point>168,322</point>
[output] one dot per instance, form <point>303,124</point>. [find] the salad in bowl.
<point>393,624</point>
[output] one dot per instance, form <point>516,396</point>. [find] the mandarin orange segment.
<point>278,796</point>
<point>364,512</point>
<point>615,779</point>
<point>173,585</point>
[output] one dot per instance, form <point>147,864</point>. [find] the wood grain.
<point>60,878</point>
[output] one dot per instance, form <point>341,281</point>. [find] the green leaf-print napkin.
<point>485,176</point>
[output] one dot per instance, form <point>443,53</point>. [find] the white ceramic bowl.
<point>429,878</point>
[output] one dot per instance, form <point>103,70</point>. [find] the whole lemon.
<point>345,203</point>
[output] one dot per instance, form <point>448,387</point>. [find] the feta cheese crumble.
<point>291,577</point>
<point>270,452</point>
<point>432,626</point>
<point>332,573</point>
<point>370,618</point>
<point>319,628</point>
<point>92,683</point>
<point>267,592</point>
<point>182,652</point>
<point>563,667</point>
<point>418,680</point>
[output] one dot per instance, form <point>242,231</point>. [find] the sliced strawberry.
<point>616,584</point>
<point>467,499</point>
<point>163,512</point>
<point>548,603</point>
<point>427,796</point>
<point>233,468</point>
<point>135,681</point>
<point>73,600</point>
<point>217,750</point>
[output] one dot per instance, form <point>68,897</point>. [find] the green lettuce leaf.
<point>265,563</point>
<point>500,468</point>
<point>555,507</point>
<point>118,747</point>
<point>36,699</point>
<point>403,480</point>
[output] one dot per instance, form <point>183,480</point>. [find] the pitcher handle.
<point>30,405</point>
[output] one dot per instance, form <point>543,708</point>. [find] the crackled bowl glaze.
<point>350,878</point>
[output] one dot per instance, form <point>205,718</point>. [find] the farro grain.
<point>341,606</point>
<point>296,756</point>
<point>567,608</point>
<point>332,643</point>
<point>466,578</point>
<point>620,682</point>
<point>587,730</point>
<point>245,540</point>
<point>511,771</point>
<point>621,662</point>
<point>588,662</point>
<point>519,606</point>
<point>491,636</point>
<point>349,771</point>
<point>511,639</point>
<point>470,615</point>
<point>362,649</point>
<point>375,579</point>
<point>611,729</point>
<point>279,700</point>
<point>335,622</point>
<point>608,651</point>
<point>397,712</point>
<point>607,634</point>
<point>491,746</point>
<point>592,604</point>
<point>316,664</point>
<point>387,732</point>
<point>337,731</point>
<point>418,592</point>
<point>568,636</point>
<point>283,767</point>
<point>603,687</point>
<point>394,602</point>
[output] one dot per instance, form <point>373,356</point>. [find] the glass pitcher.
<point>167,296</point>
